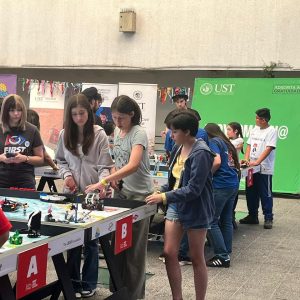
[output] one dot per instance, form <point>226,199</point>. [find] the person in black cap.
<point>180,101</point>
<point>95,100</point>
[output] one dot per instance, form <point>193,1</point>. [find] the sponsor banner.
<point>50,107</point>
<point>66,242</point>
<point>108,92</point>
<point>52,99</point>
<point>146,96</point>
<point>225,100</point>
<point>8,84</point>
<point>103,228</point>
<point>8,264</point>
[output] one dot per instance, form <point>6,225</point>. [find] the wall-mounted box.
<point>127,21</point>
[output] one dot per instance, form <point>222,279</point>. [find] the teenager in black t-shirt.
<point>21,146</point>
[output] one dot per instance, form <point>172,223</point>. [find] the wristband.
<point>164,198</point>
<point>103,182</point>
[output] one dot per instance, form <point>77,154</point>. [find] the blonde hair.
<point>12,101</point>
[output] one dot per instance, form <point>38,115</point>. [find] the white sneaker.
<point>162,258</point>
<point>87,294</point>
<point>183,261</point>
<point>77,295</point>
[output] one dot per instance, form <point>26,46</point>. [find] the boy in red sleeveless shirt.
<point>5,226</point>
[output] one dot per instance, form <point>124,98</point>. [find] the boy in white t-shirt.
<point>260,150</point>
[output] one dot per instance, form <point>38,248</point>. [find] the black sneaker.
<point>218,262</point>
<point>234,224</point>
<point>184,260</point>
<point>268,224</point>
<point>249,220</point>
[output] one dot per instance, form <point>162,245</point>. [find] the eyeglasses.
<point>15,110</point>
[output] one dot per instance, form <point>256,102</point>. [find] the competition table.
<point>56,245</point>
<point>100,225</point>
<point>48,175</point>
<point>161,177</point>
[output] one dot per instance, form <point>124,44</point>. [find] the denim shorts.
<point>173,216</point>
<point>172,213</point>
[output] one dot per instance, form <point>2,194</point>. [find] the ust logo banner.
<point>217,88</point>
<point>225,100</point>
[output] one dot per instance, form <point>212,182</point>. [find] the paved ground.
<point>265,264</point>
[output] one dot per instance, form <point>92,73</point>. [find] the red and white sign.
<point>123,237</point>
<point>250,178</point>
<point>32,269</point>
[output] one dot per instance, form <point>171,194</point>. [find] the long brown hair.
<point>125,105</point>
<point>13,101</point>
<point>33,118</point>
<point>71,134</point>
<point>213,130</point>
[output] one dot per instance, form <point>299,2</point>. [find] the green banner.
<point>224,100</point>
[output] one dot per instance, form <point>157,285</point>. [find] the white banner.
<point>50,107</point>
<point>108,92</point>
<point>146,96</point>
<point>43,97</point>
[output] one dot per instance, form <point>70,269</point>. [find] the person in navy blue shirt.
<point>170,146</point>
<point>188,194</point>
<point>225,184</point>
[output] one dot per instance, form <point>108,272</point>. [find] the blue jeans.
<point>89,269</point>
<point>261,189</point>
<point>221,227</point>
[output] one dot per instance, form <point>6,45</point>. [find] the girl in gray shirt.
<point>133,168</point>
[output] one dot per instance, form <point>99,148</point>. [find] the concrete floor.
<point>265,264</point>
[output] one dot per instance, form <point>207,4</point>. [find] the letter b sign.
<point>123,237</point>
<point>124,230</point>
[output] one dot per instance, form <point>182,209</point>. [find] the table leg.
<point>63,276</point>
<point>6,290</point>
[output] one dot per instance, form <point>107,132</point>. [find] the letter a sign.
<point>32,269</point>
<point>123,237</point>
